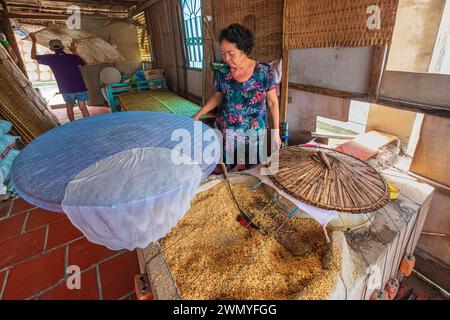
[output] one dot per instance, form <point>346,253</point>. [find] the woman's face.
<point>231,54</point>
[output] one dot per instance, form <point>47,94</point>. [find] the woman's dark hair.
<point>239,35</point>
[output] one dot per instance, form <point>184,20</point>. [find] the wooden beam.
<point>376,73</point>
<point>406,105</point>
<point>285,71</point>
<point>80,3</point>
<point>54,17</point>
<point>145,5</point>
<point>180,47</point>
<point>284,86</point>
<point>332,135</point>
<point>433,268</point>
<point>415,107</point>
<point>52,7</point>
<point>433,183</point>
<point>150,35</point>
<point>329,92</point>
<point>9,32</point>
<point>38,16</point>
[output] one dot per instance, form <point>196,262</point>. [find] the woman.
<point>244,88</point>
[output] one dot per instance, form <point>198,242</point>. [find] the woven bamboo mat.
<point>338,23</point>
<point>263,17</point>
<point>21,104</point>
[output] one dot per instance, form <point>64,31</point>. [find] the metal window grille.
<point>192,17</point>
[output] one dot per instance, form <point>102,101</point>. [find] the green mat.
<point>157,100</point>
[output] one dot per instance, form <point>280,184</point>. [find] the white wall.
<point>431,89</point>
<point>440,61</point>
<point>125,37</point>
<point>416,28</point>
<point>345,69</point>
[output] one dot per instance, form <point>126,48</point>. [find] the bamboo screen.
<point>263,17</point>
<point>21,104</point>
<point>143,38</point>
<point>338,23</point>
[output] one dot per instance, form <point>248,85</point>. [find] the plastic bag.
<point>5,127</point>
<point>6,141</point>
<point>6,163</point>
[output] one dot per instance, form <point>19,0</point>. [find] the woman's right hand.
<point>209,105</point>
<point>33,37</point>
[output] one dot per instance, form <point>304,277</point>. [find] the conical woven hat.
<point>330,180</point>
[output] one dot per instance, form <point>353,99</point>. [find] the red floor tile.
<point>84,253</point>
<point>61,232</point>
<point>88,290</point>
<point>5,206</point>
<point>117,275</point>
<point>19,205</point>
<point>22,247</point>
<point>12,226</point>
<point>33,276</point>
<point>40,217</point>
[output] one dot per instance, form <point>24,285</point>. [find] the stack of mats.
<point>20,103</point>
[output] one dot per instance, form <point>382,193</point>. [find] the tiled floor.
<point>37,247</point>
<point>61,113</point>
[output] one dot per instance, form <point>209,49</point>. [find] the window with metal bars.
<point>192,21</point>
<point>143,39</point>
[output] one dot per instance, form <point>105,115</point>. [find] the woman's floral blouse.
<point>244,105</point>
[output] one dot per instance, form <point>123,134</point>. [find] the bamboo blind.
<point>143,38</point>
<point>336,23</point>
<point>21,104</point>
<point>263,17</point>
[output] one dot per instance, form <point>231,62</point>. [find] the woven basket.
<point>330,180</point>
<point>336,23</point>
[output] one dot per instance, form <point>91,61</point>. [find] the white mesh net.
<point>131,198</point>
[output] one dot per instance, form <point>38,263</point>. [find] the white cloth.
<point>277,67</point>
<point>322,216</point>
<point>131,198</point>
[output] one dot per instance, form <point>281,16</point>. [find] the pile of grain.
<point>211,259</point>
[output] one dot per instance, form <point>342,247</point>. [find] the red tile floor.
<point>61,113</point>
<point>37,246</point>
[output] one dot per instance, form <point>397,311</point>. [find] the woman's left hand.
<point>276,140</point>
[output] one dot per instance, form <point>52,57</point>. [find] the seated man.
<point>66,68</point>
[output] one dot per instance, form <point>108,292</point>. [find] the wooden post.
<point>285,71</point>
<point>9,32</point>
<point>376,73</point>
<point>143,6</point>
<point>284,86</point>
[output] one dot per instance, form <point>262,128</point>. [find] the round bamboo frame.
<point>330,180</point>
